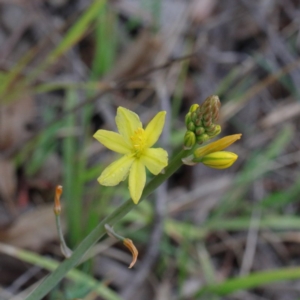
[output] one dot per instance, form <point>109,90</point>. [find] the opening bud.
<point>218,145</point>
<point>219,159</point>
<point>212,148</point>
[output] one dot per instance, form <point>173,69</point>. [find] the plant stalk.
<point>52,279</point>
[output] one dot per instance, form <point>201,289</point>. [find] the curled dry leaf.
<point>129,244</point>
<point>8,183</point>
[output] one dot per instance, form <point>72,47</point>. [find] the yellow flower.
<point>219,159</point>
<point>135,144</point>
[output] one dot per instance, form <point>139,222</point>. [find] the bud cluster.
<point>201,122</point>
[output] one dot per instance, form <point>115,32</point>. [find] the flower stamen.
<point>138,140</point>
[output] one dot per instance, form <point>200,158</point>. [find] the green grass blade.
<point>184,230</point>
<point>251,281</point>
<point>74,34</point>
<point>7,92</point>
<point>51,264</point>
<point>70,182</point>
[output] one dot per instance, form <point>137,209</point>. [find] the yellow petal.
<point>137,180</point>
<point>155,159</point>
<point>127,122</point>
<point>116,171</point>
<point>113,141</point>
<point>154,128</point>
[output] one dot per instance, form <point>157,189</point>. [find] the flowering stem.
<point>52,279</point>
<point>66,251</point>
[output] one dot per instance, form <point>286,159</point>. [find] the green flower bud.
<point>194,107</point>
<point>211,130</point>
<point>189,140</point>
<point>199,130</point>
<point>202,138</point>
<point>199,113</point>
<point>218,130</point>
<point>187,118</point>
<point>191,126</point>
<point>215,132</point>
<point>194,116</point>
<point>207,120</point>
<point>198,122</point>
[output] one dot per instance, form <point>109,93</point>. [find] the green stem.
<point>66,251</point>
<point>110,231</point>
<point>51,280</point>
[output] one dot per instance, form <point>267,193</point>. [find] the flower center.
<point>138,141</point>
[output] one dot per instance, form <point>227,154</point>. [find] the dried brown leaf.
<point>15,120</point>
<point>8,182</point>
<point>32,229</point>
<point>281,114</point>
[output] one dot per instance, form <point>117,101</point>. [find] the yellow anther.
<point>138,140</point>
